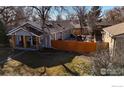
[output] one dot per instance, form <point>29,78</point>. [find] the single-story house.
<point>30,34</point>
<point>114,35</point>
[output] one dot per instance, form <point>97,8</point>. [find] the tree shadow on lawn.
<point>7,52</point>
<point>45,58</point>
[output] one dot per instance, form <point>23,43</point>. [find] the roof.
<point>61,25</point>
<point>51,27</point>
<point>27,27</point>
<point>34,31</point>
<point>76,25</point>
<point>104,24</point>
<point>115,29</point>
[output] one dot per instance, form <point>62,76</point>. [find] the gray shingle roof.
<point>51,27</point>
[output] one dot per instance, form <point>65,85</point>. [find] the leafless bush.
<point>101,62</point>
<point>104,64</point>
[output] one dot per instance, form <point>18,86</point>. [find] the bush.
<point>106,65</point>
<point>101,62</point>
<point>81,65</point>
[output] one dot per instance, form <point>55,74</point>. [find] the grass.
<point>47,58</point>
<point>81,64</point>
<point>4,53</point>
<point>57,71</point>
<point>52,60</point>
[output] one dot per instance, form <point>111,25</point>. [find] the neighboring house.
<point>77,29</point>
<point>30,34</point>
<point>115,36</point>
<point>87,30</point>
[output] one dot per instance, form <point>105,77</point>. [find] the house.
<point>98,35</point>
<point>77,29</point>
<point>115,36</point>
<point>31,35</point>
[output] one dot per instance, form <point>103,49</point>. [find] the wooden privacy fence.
<point>103,45</point>
<point>76,46</point>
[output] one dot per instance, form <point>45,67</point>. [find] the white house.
<point>30,34</point>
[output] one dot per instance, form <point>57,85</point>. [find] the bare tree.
<point>81,14</point>
<point>115,15</point>
<point>71,17</point>
<point>2,9</point>
<point>7,15</point>
<point>22,14</point>
<point>93,18</point>
<point>43,13</point>
<point>13,15</point>
<point>59,18</point>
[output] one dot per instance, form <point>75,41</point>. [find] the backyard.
<point>4,53</point>
<point>45,57</point>
<point>30,62</point>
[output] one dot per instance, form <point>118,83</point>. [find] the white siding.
<point>23,33</point>
<point>110,40</point>
<point>58,35</point>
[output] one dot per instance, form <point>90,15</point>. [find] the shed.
<point>115,36</point>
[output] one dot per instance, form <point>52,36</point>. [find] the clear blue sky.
<point>104,8</point>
